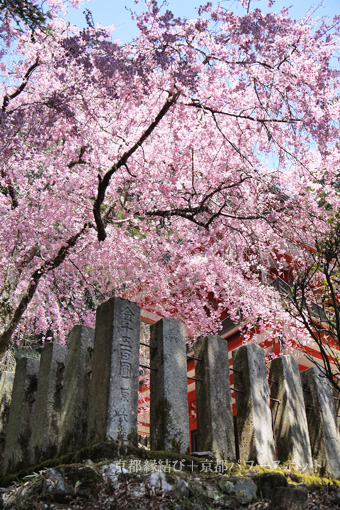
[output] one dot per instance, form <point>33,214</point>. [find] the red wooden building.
<point>233,335</point>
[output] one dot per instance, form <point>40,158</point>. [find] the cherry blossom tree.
<point>312,298</point>
<point>171,170</point>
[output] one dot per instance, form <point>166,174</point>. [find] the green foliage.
<point>23,11</point>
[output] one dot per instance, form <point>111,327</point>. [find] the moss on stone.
<point>113,451</point>
<point>110,450</point>
<point>312,480</point>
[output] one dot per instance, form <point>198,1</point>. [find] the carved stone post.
<point>75,393</point>
<point>322,422</point>
<point>46,416</point>
<point>169,416</point>
<point>254,421</point>
<point>6,387</point>
<point>215,427</point>
<point>113,408</point>
<point>16,454</point>
<point>289,415</point>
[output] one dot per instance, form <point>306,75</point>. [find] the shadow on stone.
<point>289,498</point>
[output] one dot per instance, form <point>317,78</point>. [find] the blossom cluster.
<point>184,170</point>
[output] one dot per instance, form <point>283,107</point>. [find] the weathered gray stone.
<point>322,422</point>
<point>181,489</point>
<point>203,455</point>
<point>67,481</point>
<point>56,489</point>
<point>254,422</point>
<point>19,428</point>
<point>46,416</point>
<point>245,490</point>
<point>289,498</point>
<point>113,407</point>
<point>268,483</point>
<point>112,472</point>
<point>336,397</point>
<point>76,389</point>
<point>215,426</point>
<point>289,415</point>
<point>6,387</point>
<point>158,481</point>
<point>169,416</point>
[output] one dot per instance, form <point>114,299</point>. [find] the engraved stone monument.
<point>113,407</point>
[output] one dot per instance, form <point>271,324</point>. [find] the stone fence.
<point>87,392</point>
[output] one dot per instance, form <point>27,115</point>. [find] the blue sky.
<point>116,12</point>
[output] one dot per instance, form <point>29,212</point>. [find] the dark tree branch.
<point>48,265</point>
<point>312,306</point>
<point>11,190</point>
<point>197,104</point>
<point>13,195</point>
<point>21,87</point>
<point>79,160</point>
<point>105,181</point>
<point>191,212</point>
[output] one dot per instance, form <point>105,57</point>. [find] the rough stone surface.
<point>322,422</point>
<point>158,480</point>
<point>203,455</point>
<point>336,397</point>
<point>289,498</point>
<point>6,387</point>
<point>268,483</point>
<point>108,485</point>
<point>254,422</point>
<point>215,426</point>
<point>76,388</point>
<point>46,415</point>
<point>19,428</point>
<point>112,473</point>
<point>113,407</point>
<point>245,490</point>
<point>181,489</point>
<point>169,417</point>
<point>289,415</point>
<point>58,485</point>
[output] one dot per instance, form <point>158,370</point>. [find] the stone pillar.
<point>19,428</point>
<point>254,421</point>
<point>215,426</point>
<point>336,397</point>
<point>46,416</point>
<point>6,387</point>
<point>75,392</point>
<point>113,407</point>
<point>169,415</point>
<point>322,422</point>
<point>289,415</point>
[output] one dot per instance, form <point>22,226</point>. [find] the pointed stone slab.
<point>289,415</point>
<point>169,416</point>
<point>19,428</point>
<point>215,426</point>
<point>76,389</point>
<point>46,416</point>
<point>322,422</point>
<point>113,408</point>
<point>6,387</point>
<point>254,421</point>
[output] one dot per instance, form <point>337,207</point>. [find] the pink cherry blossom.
<point>183,170</point>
